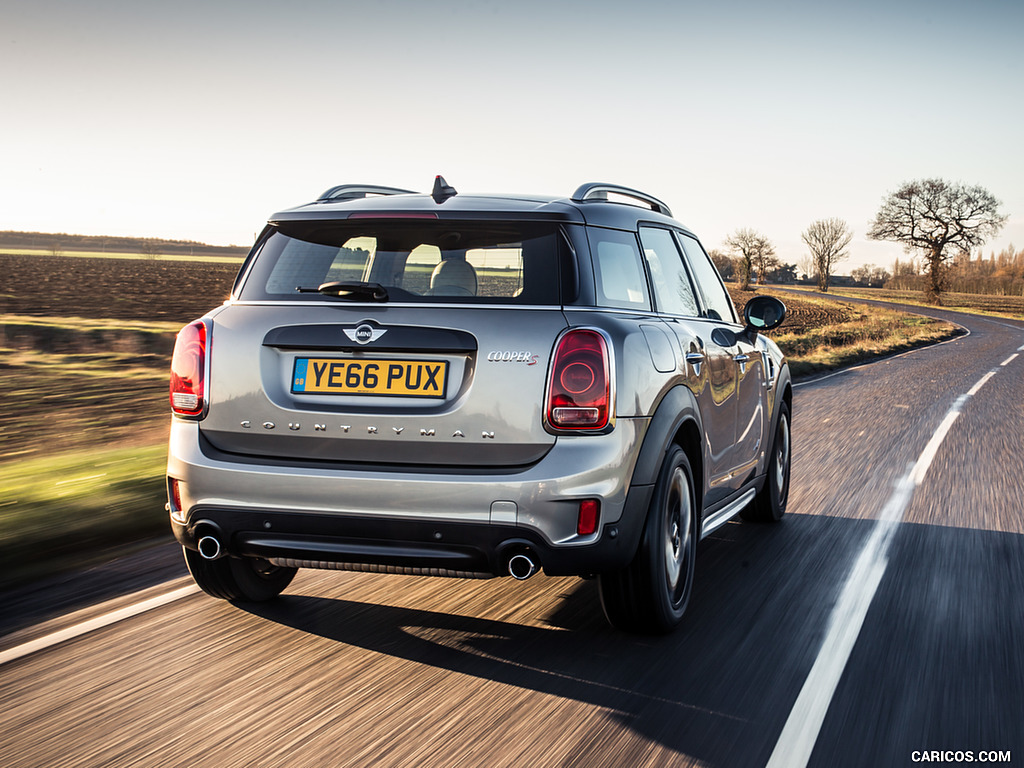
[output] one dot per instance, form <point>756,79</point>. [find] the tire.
<point>238,579</point>
<point>650,595</point>
<point>770,504</point>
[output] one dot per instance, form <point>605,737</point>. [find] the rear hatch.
<point>389,343</point>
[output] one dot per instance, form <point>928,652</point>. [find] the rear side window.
<point>716,298</point>
<point>617,269</point>
<point>435,261</point>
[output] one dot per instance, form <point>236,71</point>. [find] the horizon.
<point>844,269</point>
<point>147,121</point>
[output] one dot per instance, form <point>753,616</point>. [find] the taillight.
<point>188,370</point>
<point>579,391</point>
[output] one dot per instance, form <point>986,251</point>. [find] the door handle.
<point>696,359</point>
<point>742,360</point>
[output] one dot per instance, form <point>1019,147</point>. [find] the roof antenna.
<point>442,191</point>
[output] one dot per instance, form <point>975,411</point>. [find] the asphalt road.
<point>361,669</point>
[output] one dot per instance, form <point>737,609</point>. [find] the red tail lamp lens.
<point>586,523</point>
<point>188,368</point>
<point>577,378</point>
<point>579,392</point>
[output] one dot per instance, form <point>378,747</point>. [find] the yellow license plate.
<point>403,378</point>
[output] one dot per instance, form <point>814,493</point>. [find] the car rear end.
<point>395,387</point>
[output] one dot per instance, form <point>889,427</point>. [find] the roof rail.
<point>599,191</point>
<point>357,191</point>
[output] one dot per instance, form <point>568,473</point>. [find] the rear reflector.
<point>586,523</point>
<point>174,499</point>
<point>175,494</point>
<point>188,370</point>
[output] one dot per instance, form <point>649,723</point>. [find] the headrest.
<point>453,277</point>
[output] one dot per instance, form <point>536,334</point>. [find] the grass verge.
<point>867,334</point>
<point>1010,307</point>
<point>64,510</point>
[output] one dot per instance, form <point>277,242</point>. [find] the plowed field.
<point>65,394</point>
<point>802,315</point>
<point>125,289</point>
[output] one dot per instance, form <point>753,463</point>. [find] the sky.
<point>197,120</point>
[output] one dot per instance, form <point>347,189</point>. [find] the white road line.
<point>981,383</point>
<point>928,454</point>
<point>800,733</point>
<point>1008,360</point>
<point>99,622</point>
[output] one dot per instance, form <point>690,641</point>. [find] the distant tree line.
<point>58,244</point>
<point>1001,274</point>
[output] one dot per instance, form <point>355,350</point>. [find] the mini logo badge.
<point>365,333</point>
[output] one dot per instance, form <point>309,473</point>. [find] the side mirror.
<point>763,313</point>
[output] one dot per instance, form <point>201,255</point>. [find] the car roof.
<point>367,200</point>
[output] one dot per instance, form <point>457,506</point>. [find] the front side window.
<point>672,289</point>
<point>716,298</point>
<point>436,261</point>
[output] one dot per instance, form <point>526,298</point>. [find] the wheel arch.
<point>677,421</point>
<point>784,390</point>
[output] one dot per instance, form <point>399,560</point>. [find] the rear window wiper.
<point>373,291</point>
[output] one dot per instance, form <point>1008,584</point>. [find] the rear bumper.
<point>463,550</point>
<point>438,523</point>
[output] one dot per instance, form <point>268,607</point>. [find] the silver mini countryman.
<point>476,386</point>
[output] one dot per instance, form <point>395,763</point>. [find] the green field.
<point>66,509</point>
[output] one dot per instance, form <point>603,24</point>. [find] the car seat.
<point>453,277</point>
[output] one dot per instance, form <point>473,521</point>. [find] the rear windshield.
<point>433,261</point>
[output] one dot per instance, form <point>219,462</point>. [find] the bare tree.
<point>766,263</point>
<point>827,240</point>
<point>722,263</point>
<point>150,249</point>
<point>754,251</point>
<point>870,275</point>
<point>938,220</point>
<point>807,268</point>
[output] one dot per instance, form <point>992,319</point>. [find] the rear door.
<point>707,353</point>
<point>746,356</point>
<point>445,368</point>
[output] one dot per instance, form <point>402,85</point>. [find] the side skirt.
<point>726,513</point>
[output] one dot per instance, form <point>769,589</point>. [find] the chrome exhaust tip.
<point>521,566</point>
<point>209,548</point>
